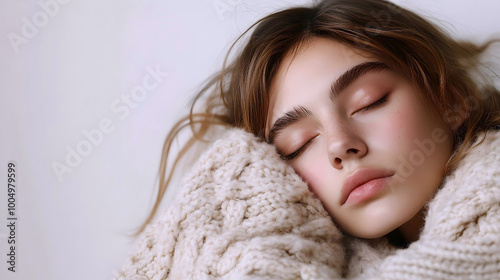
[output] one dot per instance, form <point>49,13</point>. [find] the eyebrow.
<point>350,76</point>
<point>344,81</point>
<point>290,117</point>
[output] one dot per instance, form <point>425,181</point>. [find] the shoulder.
<point>483,154</point>
<point>471,192</point>
<point>244,211</point>
<point>480,165</point>
<point>241,213</point>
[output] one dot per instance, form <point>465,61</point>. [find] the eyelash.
<point>301,149</point>
<point>374,104</point>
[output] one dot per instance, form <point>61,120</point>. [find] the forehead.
<point>312,69</point>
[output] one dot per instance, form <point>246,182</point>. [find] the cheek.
<point>314,170</point>
<point>321,178</point>
<point>391,132</point>
<point>400,129</point>
<point>411,118</point>
<point>309,173</point>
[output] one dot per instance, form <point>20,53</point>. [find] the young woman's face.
<point>362,137</point>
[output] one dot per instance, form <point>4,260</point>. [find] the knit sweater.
<point>243,213</point>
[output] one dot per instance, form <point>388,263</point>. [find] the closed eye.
<point>375,104</point>
<point>299,151</point>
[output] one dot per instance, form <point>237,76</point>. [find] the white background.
<point>65,78</point>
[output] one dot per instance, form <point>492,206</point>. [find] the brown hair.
<point>440,66</point>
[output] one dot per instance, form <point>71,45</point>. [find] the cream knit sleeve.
<point>242,213</point>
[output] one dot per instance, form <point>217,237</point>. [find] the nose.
<point>345,144</point>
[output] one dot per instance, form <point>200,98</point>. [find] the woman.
<point>380,114</point>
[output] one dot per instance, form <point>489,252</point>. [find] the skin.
<point>359,130</point>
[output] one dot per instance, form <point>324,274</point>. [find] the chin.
<point>374,227</point>
<point>371,233</point>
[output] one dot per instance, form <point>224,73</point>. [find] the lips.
<point>372,180</point>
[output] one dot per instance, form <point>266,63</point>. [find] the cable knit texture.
<point>243,213</point>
